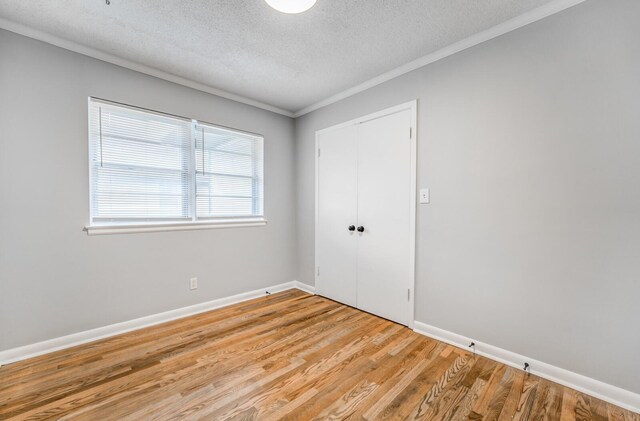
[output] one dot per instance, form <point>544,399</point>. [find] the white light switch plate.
<point>193,283</point>
<point>425,196</point>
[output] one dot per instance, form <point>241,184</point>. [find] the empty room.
<point>320,210</point>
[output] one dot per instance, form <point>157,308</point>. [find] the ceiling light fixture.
<point>291,6</point>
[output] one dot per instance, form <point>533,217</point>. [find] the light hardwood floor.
<point>286,356</point>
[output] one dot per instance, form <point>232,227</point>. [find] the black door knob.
<point>352,227</point>
<point>360,229</point>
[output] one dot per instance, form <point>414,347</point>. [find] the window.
<point>149,169</point>
<point>228,173</point>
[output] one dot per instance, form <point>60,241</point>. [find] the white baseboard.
<point>304,287</point>
<point>598,389</point>
<point>68,341</point>
<point>609,393</point>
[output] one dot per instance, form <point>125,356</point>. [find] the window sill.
<point>173,226</point>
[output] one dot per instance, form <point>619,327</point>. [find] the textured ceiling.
<point>246,48</point>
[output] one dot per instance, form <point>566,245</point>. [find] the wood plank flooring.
<point>288,356</point>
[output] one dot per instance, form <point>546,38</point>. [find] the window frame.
<point>103,225</point>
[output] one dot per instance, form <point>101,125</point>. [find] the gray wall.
<point>56,280</point>
<point>530,144</point>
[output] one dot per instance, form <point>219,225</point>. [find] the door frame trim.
<point>412,106</point>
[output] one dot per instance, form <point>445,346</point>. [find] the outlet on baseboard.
<point>193,283</point>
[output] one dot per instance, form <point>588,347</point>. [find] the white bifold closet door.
<point>365,182</point>
<point>337,210</point>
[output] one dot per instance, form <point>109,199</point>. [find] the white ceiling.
<point>246,48</point>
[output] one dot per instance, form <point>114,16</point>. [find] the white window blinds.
<point>228,173</point>
<point>149,167</point>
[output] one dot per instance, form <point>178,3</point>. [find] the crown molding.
<point>532,16</point>
<point>110,58</point>
<point>551,8</point>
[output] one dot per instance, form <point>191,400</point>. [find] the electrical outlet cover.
<point>425,196</point>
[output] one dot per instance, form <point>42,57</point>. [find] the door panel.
<point>384,189</point>
<point>337,210</point>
